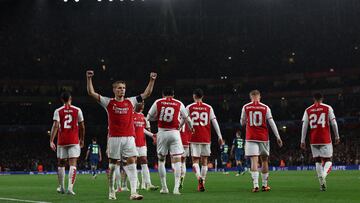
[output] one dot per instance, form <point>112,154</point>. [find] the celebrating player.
<point>94,152</point>
<point>69,126</point>
<point>254,115</point>
<point>202,116</point>
<point>121,141</point>
<point>167,112</point>
<point>141,128</point>
<point>238,148</point>
<point>318,116</point>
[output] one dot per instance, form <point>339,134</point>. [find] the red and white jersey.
<point>140,124</point>
<point>201,115</point>
<point>255,115</point>
<point>120,116</point>
<point>185,134</point>
<point>318,116</point>
<point>167,112</point>
<point>69,117</point>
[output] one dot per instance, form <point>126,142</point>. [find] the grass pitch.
<point>287,186</point>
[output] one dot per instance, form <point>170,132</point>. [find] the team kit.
<point>182,131</point>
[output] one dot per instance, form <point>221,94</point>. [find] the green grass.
<point>287,186</point>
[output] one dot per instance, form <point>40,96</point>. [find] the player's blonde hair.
<point>118,82</point>
<point>254,93</point>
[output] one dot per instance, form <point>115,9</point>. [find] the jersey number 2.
<point>67,121</point>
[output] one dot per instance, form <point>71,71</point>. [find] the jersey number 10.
<point>255,118</point>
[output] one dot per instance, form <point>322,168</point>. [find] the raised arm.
<point>89,85</point>
<point>147,92</point>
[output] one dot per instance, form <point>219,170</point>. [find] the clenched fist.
<point>153,75</point>
<point>89,73</point>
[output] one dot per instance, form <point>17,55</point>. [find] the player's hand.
<point>280,143</point>
<point>153,76</point>
<point>100,159</point>
<point>53,146</point>
<point>89,73</point>
<point>337,141</point>
<point>303,146</point>
<point>81,143</point>
<point>192,130</point>
<point>221,141</point>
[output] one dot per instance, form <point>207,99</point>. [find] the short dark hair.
<point>168,91</point>
<point>94,139</point>
<point>199,93</point>
<point>65,96</point>
<point>318,96</point>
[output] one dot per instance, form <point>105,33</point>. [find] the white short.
<point>142,151</point>
<point>119,147</point>
<point>324,151</point>
<point>198,150</point>
<point>186,151</point>
<point>257,148</point>
<point>169,141</point>
<point>69,151</point>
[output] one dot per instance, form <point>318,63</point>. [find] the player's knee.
<point>176,158</point>
<point>142,160</point>
<point>264,158</point>
<point>61,162</point>
<point>161,158</point>
<point>113,161</point>
<point>131,160</point>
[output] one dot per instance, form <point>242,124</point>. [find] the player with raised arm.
<point>69,126</point>
<point>121,141</point>
<point>202,116</point>
<point>255,115</point>
<point>94,155</point>
<point>142,128</point>
<point>237,149</point>
<point>319,116</point>
<point>167,111</point>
